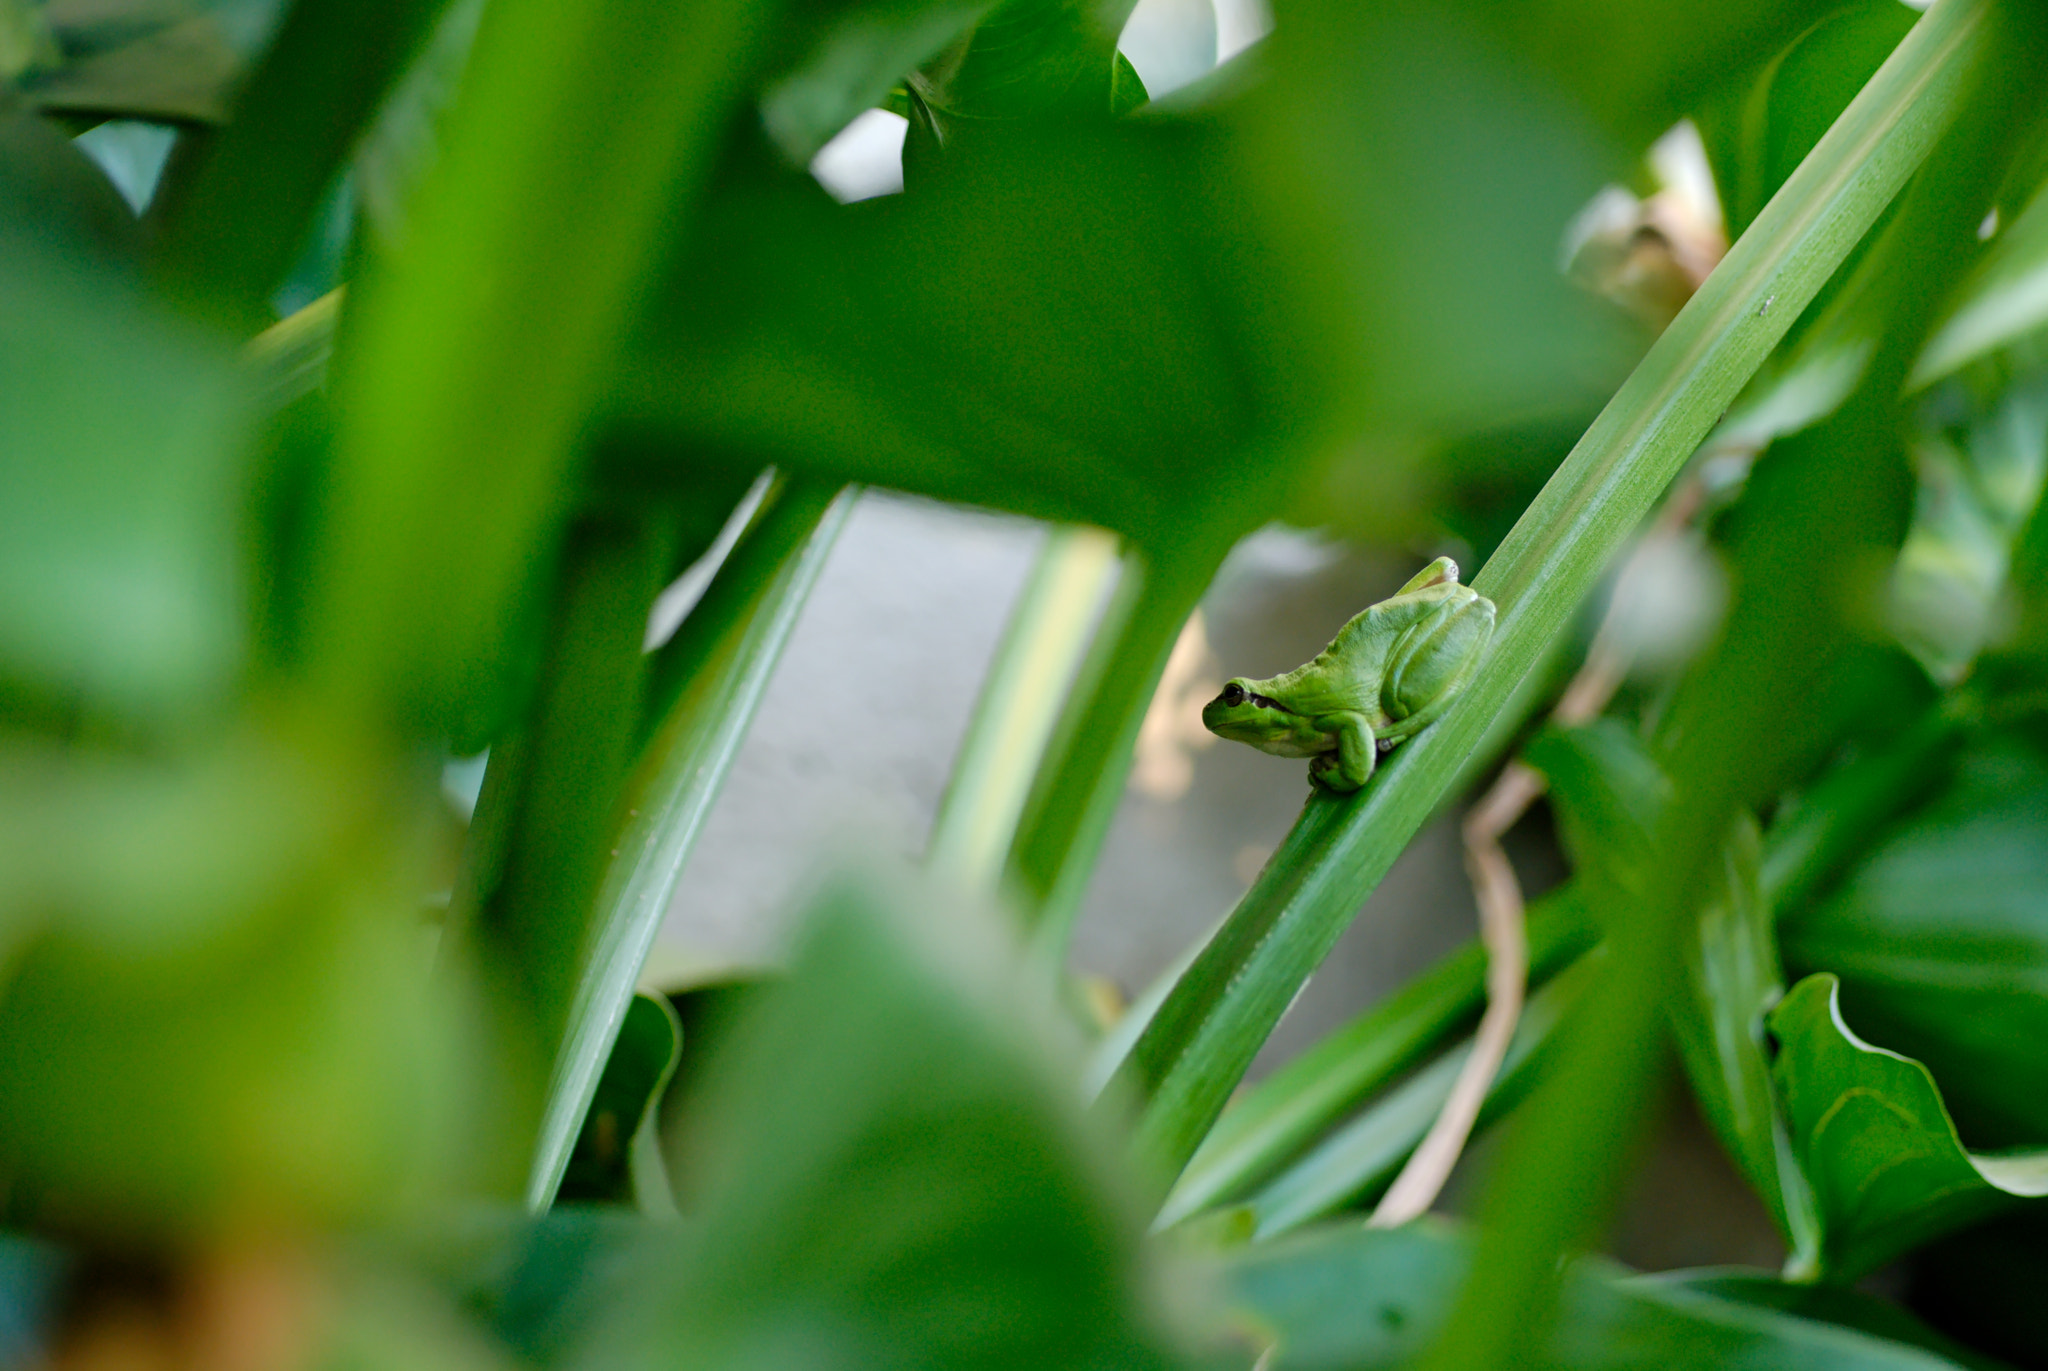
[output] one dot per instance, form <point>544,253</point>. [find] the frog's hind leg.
<point>1357,752</point>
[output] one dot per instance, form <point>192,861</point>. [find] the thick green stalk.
<point>709,682</point>
<point>572,154</point>
<point>1208,1031</point>
<point>1020,700</point>
<point>1082,778</point>
<point>1291,1108</point>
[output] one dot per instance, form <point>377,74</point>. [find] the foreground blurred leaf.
<point>850,62</point>
<point>1610,793</point>
<point>1875,1142</point>
<point>221,1022</point>
<point>1756,142</point>
<point>119,588</point>
<point>241,219</point>
<point>580,133</point>
<point>894,1172</point>
<point>169,60</point>
<point>1940,938</point>
<point>2004,299</point>
<point>1357,1299</point>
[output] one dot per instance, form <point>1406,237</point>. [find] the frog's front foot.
<point>1324,774</point>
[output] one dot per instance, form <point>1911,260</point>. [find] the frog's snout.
<point>1216,714</point>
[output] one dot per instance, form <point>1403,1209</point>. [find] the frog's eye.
<point>1233,695</point>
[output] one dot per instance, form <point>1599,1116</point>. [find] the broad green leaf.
<point>1875,1141</point>
<point>893,1169</point>
<point>850,60</point>
<point>119,584</point>
<point>617,1154</point>
<point>2004,299</point>
<point>1757,141</point>
<point>1834,1304</point>
<point>1355,1299</point>
<point>1940,937</point>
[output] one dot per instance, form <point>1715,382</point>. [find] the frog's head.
<point>1243,715</point>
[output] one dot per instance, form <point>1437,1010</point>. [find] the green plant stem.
<point>545,821</point>
<point>1211,1026</point>
<point>1289,1109</point>
<point>1081,779</point>
<point>1031,674</point>
<point>1358,1161</point>
<point>573,152</point>
<point>705,686</point>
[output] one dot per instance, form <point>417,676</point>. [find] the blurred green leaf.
<point>617,1157</point>
<point>234,227</point>
<point>1354,1299</point>
<point>1834,1304</point>
<point>894,1171</point>
<point>52,191</point>
<point>2003,300</point>
<point>119,589</point>
<point>1940,937</point>
<point>1978,483</point>
<point>1020,700</point>
<point>1875,1141</point>
<point>1756,141</point>
<point>850,61</point>
<point>1030,59</point>
<point>221,1020</point>
<point>580,136</point>
<point>542,1282</point>
<point>170,60</point>
<point>1611,795</point>
<point>1834,820</point>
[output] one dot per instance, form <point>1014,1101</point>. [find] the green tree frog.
<point>1390,673</point>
